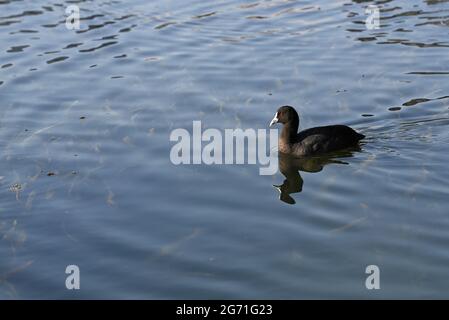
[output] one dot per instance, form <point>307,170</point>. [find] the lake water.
<point>86,177</point>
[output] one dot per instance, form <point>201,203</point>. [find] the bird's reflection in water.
<point>290,167</point>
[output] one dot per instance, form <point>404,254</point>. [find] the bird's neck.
<point>289,132</point>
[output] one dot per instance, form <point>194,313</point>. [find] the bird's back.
<point>325,139</point>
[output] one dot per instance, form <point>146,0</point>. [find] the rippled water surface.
<point>86,177</point>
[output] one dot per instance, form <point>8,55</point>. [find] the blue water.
<point>86,177</point>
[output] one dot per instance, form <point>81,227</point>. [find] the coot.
<point>312,141</point>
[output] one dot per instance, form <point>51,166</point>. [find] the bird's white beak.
<point>275,119</point>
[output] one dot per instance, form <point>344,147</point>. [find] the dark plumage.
<point>312,141</point>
